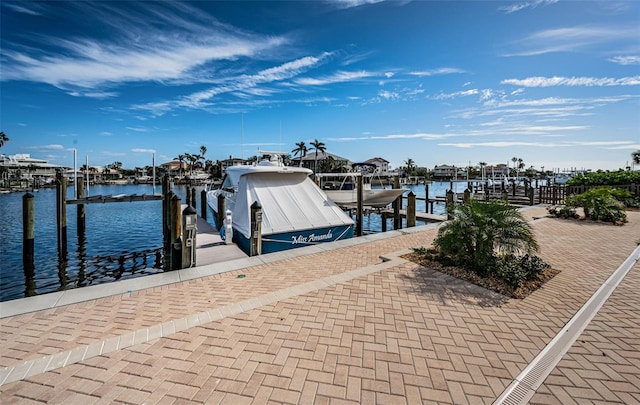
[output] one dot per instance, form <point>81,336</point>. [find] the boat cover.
<point>290,202</point>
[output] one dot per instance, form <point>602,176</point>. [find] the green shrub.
<point>563,212</point>
<point>605,178</point>
<point>481,230</point>
<point>601,204</point>
<point>514,270</point>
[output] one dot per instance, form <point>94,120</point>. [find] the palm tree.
<point>203,151</point>
<point>479,230</point>
<point>411,165</point>
<point>180,158</point>
<point>301,149</point>
<point>317,146</point>
<point>635,157</point>
<point>3,139</point>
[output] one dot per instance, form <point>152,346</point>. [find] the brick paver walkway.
<point>397,333</point>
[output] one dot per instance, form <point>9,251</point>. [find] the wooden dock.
<point>210,248</point>
<point>101,199</point>
<point>420,216</point>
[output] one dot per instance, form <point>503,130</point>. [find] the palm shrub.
<point>481,231</point>
<point>602,204</point>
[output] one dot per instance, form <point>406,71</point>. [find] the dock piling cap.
<point>189,211</point>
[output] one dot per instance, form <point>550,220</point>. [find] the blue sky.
<point>556,83</point>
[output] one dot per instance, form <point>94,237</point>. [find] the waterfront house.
<point>24,167</point>
<point>309,161</point>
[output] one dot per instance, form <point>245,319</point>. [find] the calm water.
<point>122,240</point>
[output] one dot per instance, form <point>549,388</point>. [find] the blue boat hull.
<point>291,240</point>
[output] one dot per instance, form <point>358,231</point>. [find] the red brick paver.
<point>405,334</point>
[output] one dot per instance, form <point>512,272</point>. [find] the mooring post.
<point>28,232</point>
<point>359,205</point>
<point>222,208</point>
<point>188,196</point>
<point>531,193</point>
<point>256,230</point>
<point>411,209</point>
<point>193,198</point>
<point>397,203</point>
<point>505,196</point>
<point>165,219</point>
<point>176,243</point>
<point>384,221</point>
<point>426,198</point>
<point>61,213</point>
<point>467,195</point>
<point>449,204</point>
<point>203,204</point>
<point>80,209</point>
<point>189,232</point>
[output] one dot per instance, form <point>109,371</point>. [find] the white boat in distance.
<point>295,212</point>
<point>345,193</point>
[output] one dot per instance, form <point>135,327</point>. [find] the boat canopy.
<point>290,201</point>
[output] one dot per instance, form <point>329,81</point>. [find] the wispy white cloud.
<point>46,147</point>
<point>338,77</point>
<point>137,129</point>
<point>437,72</point>
<point>388,95</point>
<point>540,81</point>
<point>94,94</point>
<point>512,8</point>
<point>571,39</point>
<point>136,51</point>
<point>625,60</point>
<point>20,8</point>
<point>509,144</point>
<point>141,150</point>
<point>352,3</point>
<point>447,96</point>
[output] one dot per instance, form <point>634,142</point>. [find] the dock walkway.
<point>347,322</point>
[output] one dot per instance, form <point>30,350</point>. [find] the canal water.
<point>122,240</point>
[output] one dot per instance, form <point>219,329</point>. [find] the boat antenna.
<point>242,138</point>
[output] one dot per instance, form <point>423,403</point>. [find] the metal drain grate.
<point>529,380</point>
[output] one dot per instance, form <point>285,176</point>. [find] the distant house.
<point>23,166</point>
<point>382,165</point>
<point>232,162</point>
<point>444,172</point>
<point>309,161</point>
<point>175,168</point>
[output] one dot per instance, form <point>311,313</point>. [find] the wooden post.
<point>165,217</point>
<point>397,220</point>
<point>467,195</point>
<point>449,204</point>
<point>175,230</point>
<point>189,232</point>
<point>203,204</point>
<point>194,204</point>
<point>222,204</point>
<point>505,196</point>
<point>80,209</point>
<point>384,222</point>
<point>426,198</point>
<point>531,193</point>
<point>411,209</point>
<point>188,196</point>
<point>359,207</point>
<point>256,230</point>
<point>61,213</point>
<point>166,222</point>
<point>28,233</point>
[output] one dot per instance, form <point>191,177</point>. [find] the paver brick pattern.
<point>406,334</point>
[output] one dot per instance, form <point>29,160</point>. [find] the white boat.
<point>344,192</point>
<point>295,211</point>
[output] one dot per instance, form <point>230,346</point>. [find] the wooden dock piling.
<point>61,214</point>
<point>80,209</point>
<point>411,209</point>
<point>28,233</point>
<point>203,204</point>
